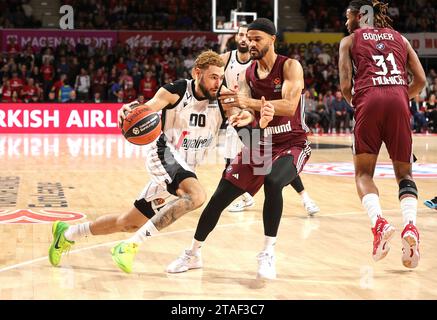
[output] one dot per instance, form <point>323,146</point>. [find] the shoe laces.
<point>412,228</point>
<point>310,204</point>
<point>265,259</point>
<point>380,223</point>
<point>131,248</point>
<point>239,204</point>
<point>185,257</point>
<point>67,249</point>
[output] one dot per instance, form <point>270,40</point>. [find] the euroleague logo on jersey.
<point>383,170</point>
<point>277,84</point>
<point>25,216</point>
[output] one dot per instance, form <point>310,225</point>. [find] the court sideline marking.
<point>25,263</point>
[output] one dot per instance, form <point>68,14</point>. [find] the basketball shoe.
<point>123,254</point>
<point>241,205</point>
<point>382,233</point>
<point>59,244</point>
<point>266,265</point>
<point>310,207</point>
<point>432,204</point>
<point>410,246</point>
<point>186,261</point>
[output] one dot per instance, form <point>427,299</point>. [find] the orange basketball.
<point>142,125</point>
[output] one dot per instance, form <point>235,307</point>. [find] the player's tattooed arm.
<point>345,68</point>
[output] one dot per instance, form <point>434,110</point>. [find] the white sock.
<point>196,246</point>
<point>246,197</point>
<point>143,233</point>
<point>269,244</point>
<point>305,196</point>
<point>77,231</point>
<point>409,210</point>
<point>371,204</point>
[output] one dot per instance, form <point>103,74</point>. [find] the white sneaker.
<point>241,205</point>
<point>186,261</point>
<point>266,265</point>
<point>311,207</point>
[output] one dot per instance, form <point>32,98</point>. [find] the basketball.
<point>141,126</point>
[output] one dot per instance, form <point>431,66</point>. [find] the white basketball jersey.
<point>192,125</point>
<point>191,129</point>
<point>234,70</point>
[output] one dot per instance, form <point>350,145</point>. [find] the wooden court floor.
<point>327,256</point>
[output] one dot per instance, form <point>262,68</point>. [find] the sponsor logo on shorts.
<point>383,170</point>
<point>159,201</point>
<point>43,216</point>
<point>229,169</point>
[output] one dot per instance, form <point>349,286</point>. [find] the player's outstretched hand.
<point>267,113</point>
<point>241,119</point>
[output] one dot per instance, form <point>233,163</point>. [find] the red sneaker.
<point>382,233</point>
<point>410,244</point>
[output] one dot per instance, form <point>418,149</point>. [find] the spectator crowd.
<point>407,15</point>
<point>86,73</point>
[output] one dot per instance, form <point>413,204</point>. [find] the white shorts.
<point>166,169</point>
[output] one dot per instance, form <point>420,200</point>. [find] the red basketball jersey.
<point>379,57</point>
<point>282,129</point>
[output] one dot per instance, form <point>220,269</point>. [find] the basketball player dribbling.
<point>191,118</point>
<point>373,64</point>
<point>236,63</point>
<point>280,80</point>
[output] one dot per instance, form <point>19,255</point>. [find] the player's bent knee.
<point>407,188</point>
<point>197,197</point>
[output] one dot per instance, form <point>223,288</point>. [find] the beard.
<point>242,49</point>
<point>258,55</point>
<point>206,92</point>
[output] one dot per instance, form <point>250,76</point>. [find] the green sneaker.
<point>123,255</point>
<point>59,243</point>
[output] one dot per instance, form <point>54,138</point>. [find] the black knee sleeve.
<point>407,187</point>
<point>145,208</point>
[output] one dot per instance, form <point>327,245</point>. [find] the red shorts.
<point>250,176</point>
<point>382,114</point>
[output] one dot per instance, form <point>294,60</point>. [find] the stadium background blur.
<point>123,71</point>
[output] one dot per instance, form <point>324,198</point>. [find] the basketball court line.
<point>25,263</point>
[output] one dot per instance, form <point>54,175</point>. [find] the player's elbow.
<point>289,112</point>
<point>346,88</point>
